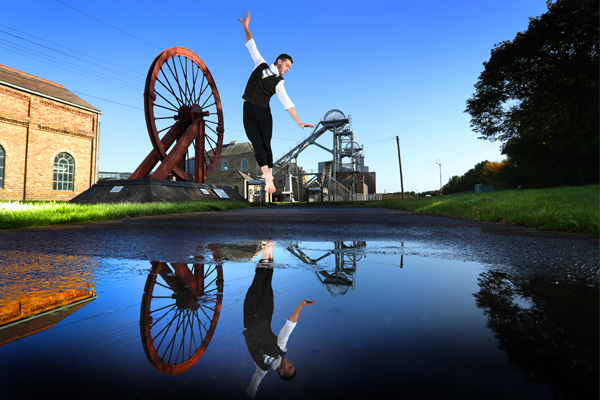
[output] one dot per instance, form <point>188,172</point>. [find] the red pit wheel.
<point>179,314</point>
<point>182,108</point>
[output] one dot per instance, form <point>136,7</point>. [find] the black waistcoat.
<point>260,340</point>
<point>258,90</point>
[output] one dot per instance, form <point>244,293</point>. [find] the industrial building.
<point>48,139</point>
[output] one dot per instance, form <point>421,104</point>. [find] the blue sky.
<point>398,68</point>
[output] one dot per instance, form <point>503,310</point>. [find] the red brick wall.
<point>33,131</point>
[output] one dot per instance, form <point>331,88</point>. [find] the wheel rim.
<point>334,115</point>
<point>180,91</point>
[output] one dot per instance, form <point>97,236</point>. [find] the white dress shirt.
<point>271,70</point>
<point>273,362</point>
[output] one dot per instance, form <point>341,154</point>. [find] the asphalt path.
<point>177,238</point>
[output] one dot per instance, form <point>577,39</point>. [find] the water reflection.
<point>339,280</point>
<point>267,350</point>
<point>179,312</point>
<point>40,290</point>
<point>548,329</point>
<point>468,329</point>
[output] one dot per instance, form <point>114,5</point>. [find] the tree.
<point>538,95</point>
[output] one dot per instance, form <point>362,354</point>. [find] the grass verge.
<point>569,209</point>
<point>27,214</point>
<point>566,209</point>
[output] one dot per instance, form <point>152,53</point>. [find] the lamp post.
<point>438,162</point>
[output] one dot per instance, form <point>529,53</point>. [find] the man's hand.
<point>294,115</point>
<point>305,125</point>
<point>246,24</point>
<point>246,21</point>
<point>296,313</point>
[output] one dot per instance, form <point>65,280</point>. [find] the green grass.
<point>567,209</point>
<point>27,214</point>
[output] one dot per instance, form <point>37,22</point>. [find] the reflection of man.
<point>266,349</point>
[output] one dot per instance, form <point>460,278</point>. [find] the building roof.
<point>33,84</point>
<point>228,176</point>
<point>234,148</point>
<point>351,179</point>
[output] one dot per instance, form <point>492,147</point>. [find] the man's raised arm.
<point>246,22</point>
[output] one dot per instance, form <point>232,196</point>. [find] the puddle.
<point>387,320</point>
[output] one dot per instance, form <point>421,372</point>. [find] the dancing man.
<point>264,82</point>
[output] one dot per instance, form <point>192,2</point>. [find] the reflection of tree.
<point>179,313</point>
<point>549,330</point>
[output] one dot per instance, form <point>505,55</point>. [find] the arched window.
<point>1,167</point>
<point>244,166</point>
<point>236,188</point>
<point>64,173</point>
<point>224,166</point>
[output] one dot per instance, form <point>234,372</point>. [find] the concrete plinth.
<point>154,190</point>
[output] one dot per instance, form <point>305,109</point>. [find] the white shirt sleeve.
<point>259,374</point>
<point>284,334</point>
<point>256,57</point>
<point>283,96</point>
<point>279,89</point>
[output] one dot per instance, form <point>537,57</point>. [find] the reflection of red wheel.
<point>182,107</point>
<point>179,314</point>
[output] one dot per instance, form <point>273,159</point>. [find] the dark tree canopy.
<point>538,95</point>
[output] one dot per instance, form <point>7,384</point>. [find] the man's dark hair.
<point>288,377</point>
<point>284,57</point>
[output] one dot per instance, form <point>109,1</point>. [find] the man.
<point>263,83</point>
<point>266,349</point>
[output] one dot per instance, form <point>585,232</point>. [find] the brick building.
<point>237,166</point>
<point>48,139</point>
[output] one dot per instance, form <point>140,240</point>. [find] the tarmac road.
<point>176,238</point>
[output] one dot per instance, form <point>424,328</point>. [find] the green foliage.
<point>486,172</point>
<point>26,214</point>
<point>538,94</point>
<point>567,209</point>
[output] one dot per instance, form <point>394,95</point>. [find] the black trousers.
<point>258,313</point>
<point>258,124</point>
<point>259,304</point>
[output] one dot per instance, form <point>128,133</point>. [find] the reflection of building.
<point>48,139</point>
<point>40,290</point>
<point>238,252</point>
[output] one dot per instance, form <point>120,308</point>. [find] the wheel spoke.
<point>166,108</point>
<point>170,88</point>
<point>186,89</point>
<point>175,76</point>
<point>207,99</point>
<point>201,91</point>
<point>195,79</point>
<point>167,88</point>
<point>177,81</point>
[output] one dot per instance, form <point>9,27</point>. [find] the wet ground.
<point>405,306</point>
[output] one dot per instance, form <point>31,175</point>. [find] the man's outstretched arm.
<point>294,115</point>
<point>246,22</point>
<point>296,313</point>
